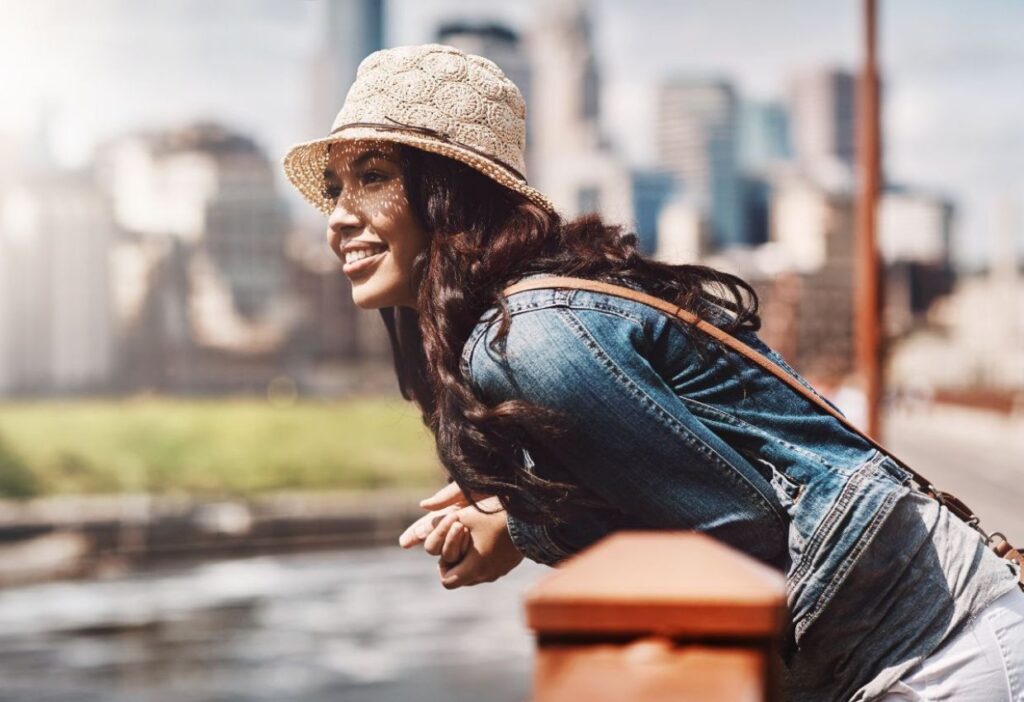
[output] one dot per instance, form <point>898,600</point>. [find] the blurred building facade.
<point>822,106</point>
<point>351,30</point>
<point>696,139</point>
<point>56,326</point>
<point>975,339</point>
<point>200,269</point>
<point>792,176</point>
<point>764,139</point>
<point>212,282</point>
<point>573,162</point>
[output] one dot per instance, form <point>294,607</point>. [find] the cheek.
<point>408,240</point>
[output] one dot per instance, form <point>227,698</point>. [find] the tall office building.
<point>764,139</point>
<point>652,191</point>
<point>696,138</point>
<point>566,85</point>
<point>572,162</point>
<point>352,29</point>
<point>56,331</point>
<point>915,226</point>
<point>822,107</point>
<point>213,190</point>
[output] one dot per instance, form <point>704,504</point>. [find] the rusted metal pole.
<point>867,283</point>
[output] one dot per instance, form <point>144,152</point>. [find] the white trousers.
<point>983,663</point>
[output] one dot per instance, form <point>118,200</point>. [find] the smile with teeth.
<point>359,254</point>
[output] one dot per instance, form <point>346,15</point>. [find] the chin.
<point>368,296</point>
<point>365,299</point>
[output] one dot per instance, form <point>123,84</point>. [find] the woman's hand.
<point>490,553</point>
<point>474,547</point>
<point>442,503</point>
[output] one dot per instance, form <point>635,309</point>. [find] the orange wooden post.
<point>657,616</point>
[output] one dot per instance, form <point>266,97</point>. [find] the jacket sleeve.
<point>629,438</point>
<point>551,543</point>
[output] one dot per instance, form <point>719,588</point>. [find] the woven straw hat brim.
<point>304,164</point>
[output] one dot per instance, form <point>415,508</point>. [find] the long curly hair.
<point>482,236</point>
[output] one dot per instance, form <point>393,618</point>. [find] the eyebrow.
<point>369,156</point>
<point>329,174</point>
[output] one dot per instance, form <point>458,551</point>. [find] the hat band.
<point>433,133</point>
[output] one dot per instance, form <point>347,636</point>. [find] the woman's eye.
<point>374,177</point>
<point>332,191</point>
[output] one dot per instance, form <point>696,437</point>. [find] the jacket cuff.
<point>535,542</point>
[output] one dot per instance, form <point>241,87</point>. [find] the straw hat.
<point>432,97</point>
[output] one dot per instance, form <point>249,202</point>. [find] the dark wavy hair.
<point>482,236</point>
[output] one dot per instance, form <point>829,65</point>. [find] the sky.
<point>953,111</point>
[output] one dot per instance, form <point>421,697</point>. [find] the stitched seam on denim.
<point>514,309</point>
<point>468,356</point>
<point>895,472</point>
<point>569,300</point>
<point>777,357</point>
<point>831,517</point>
<point>844,569</point>
<point>535,541</point>
<point>481,330</point>
<point>741,423</point>
<point>730,473</point>
<point>611,309</point>
<point>589,299</point>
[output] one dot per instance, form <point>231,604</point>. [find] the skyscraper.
<point>56,331</point>
<point>352,30</point>
<point>213,190</point>
<point>764,138</point>
<point>822,107</point>
<point>566,86</point>
<point>696,139</point>
<point>572,162</point>
<point>652,190</point>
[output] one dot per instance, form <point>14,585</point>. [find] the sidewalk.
<point>977,455</point>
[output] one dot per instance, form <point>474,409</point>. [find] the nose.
<point>344,223</point>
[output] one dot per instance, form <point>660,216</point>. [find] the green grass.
<point>236,447</point>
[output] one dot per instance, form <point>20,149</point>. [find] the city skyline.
<point>946,129</point>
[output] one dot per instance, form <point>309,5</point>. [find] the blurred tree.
<point>16,479</point>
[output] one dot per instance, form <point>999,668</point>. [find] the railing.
<point>652,617</point>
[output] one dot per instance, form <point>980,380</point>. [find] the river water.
<point>359,626</point>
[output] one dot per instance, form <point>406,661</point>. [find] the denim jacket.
<point>671,434</point>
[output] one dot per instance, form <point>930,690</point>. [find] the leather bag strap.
<point>956,506</point>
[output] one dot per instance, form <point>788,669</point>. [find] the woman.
<point>568,414</point>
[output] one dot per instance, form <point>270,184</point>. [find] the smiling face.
<point>372,228</point>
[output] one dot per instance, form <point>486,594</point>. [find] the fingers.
<point>421,528</point>
<point>450,494</point>
<point>454,542</point>
<point>433,543</point>
<point>469,571</point>
<point>410,536</point>
<point>461,574</point>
